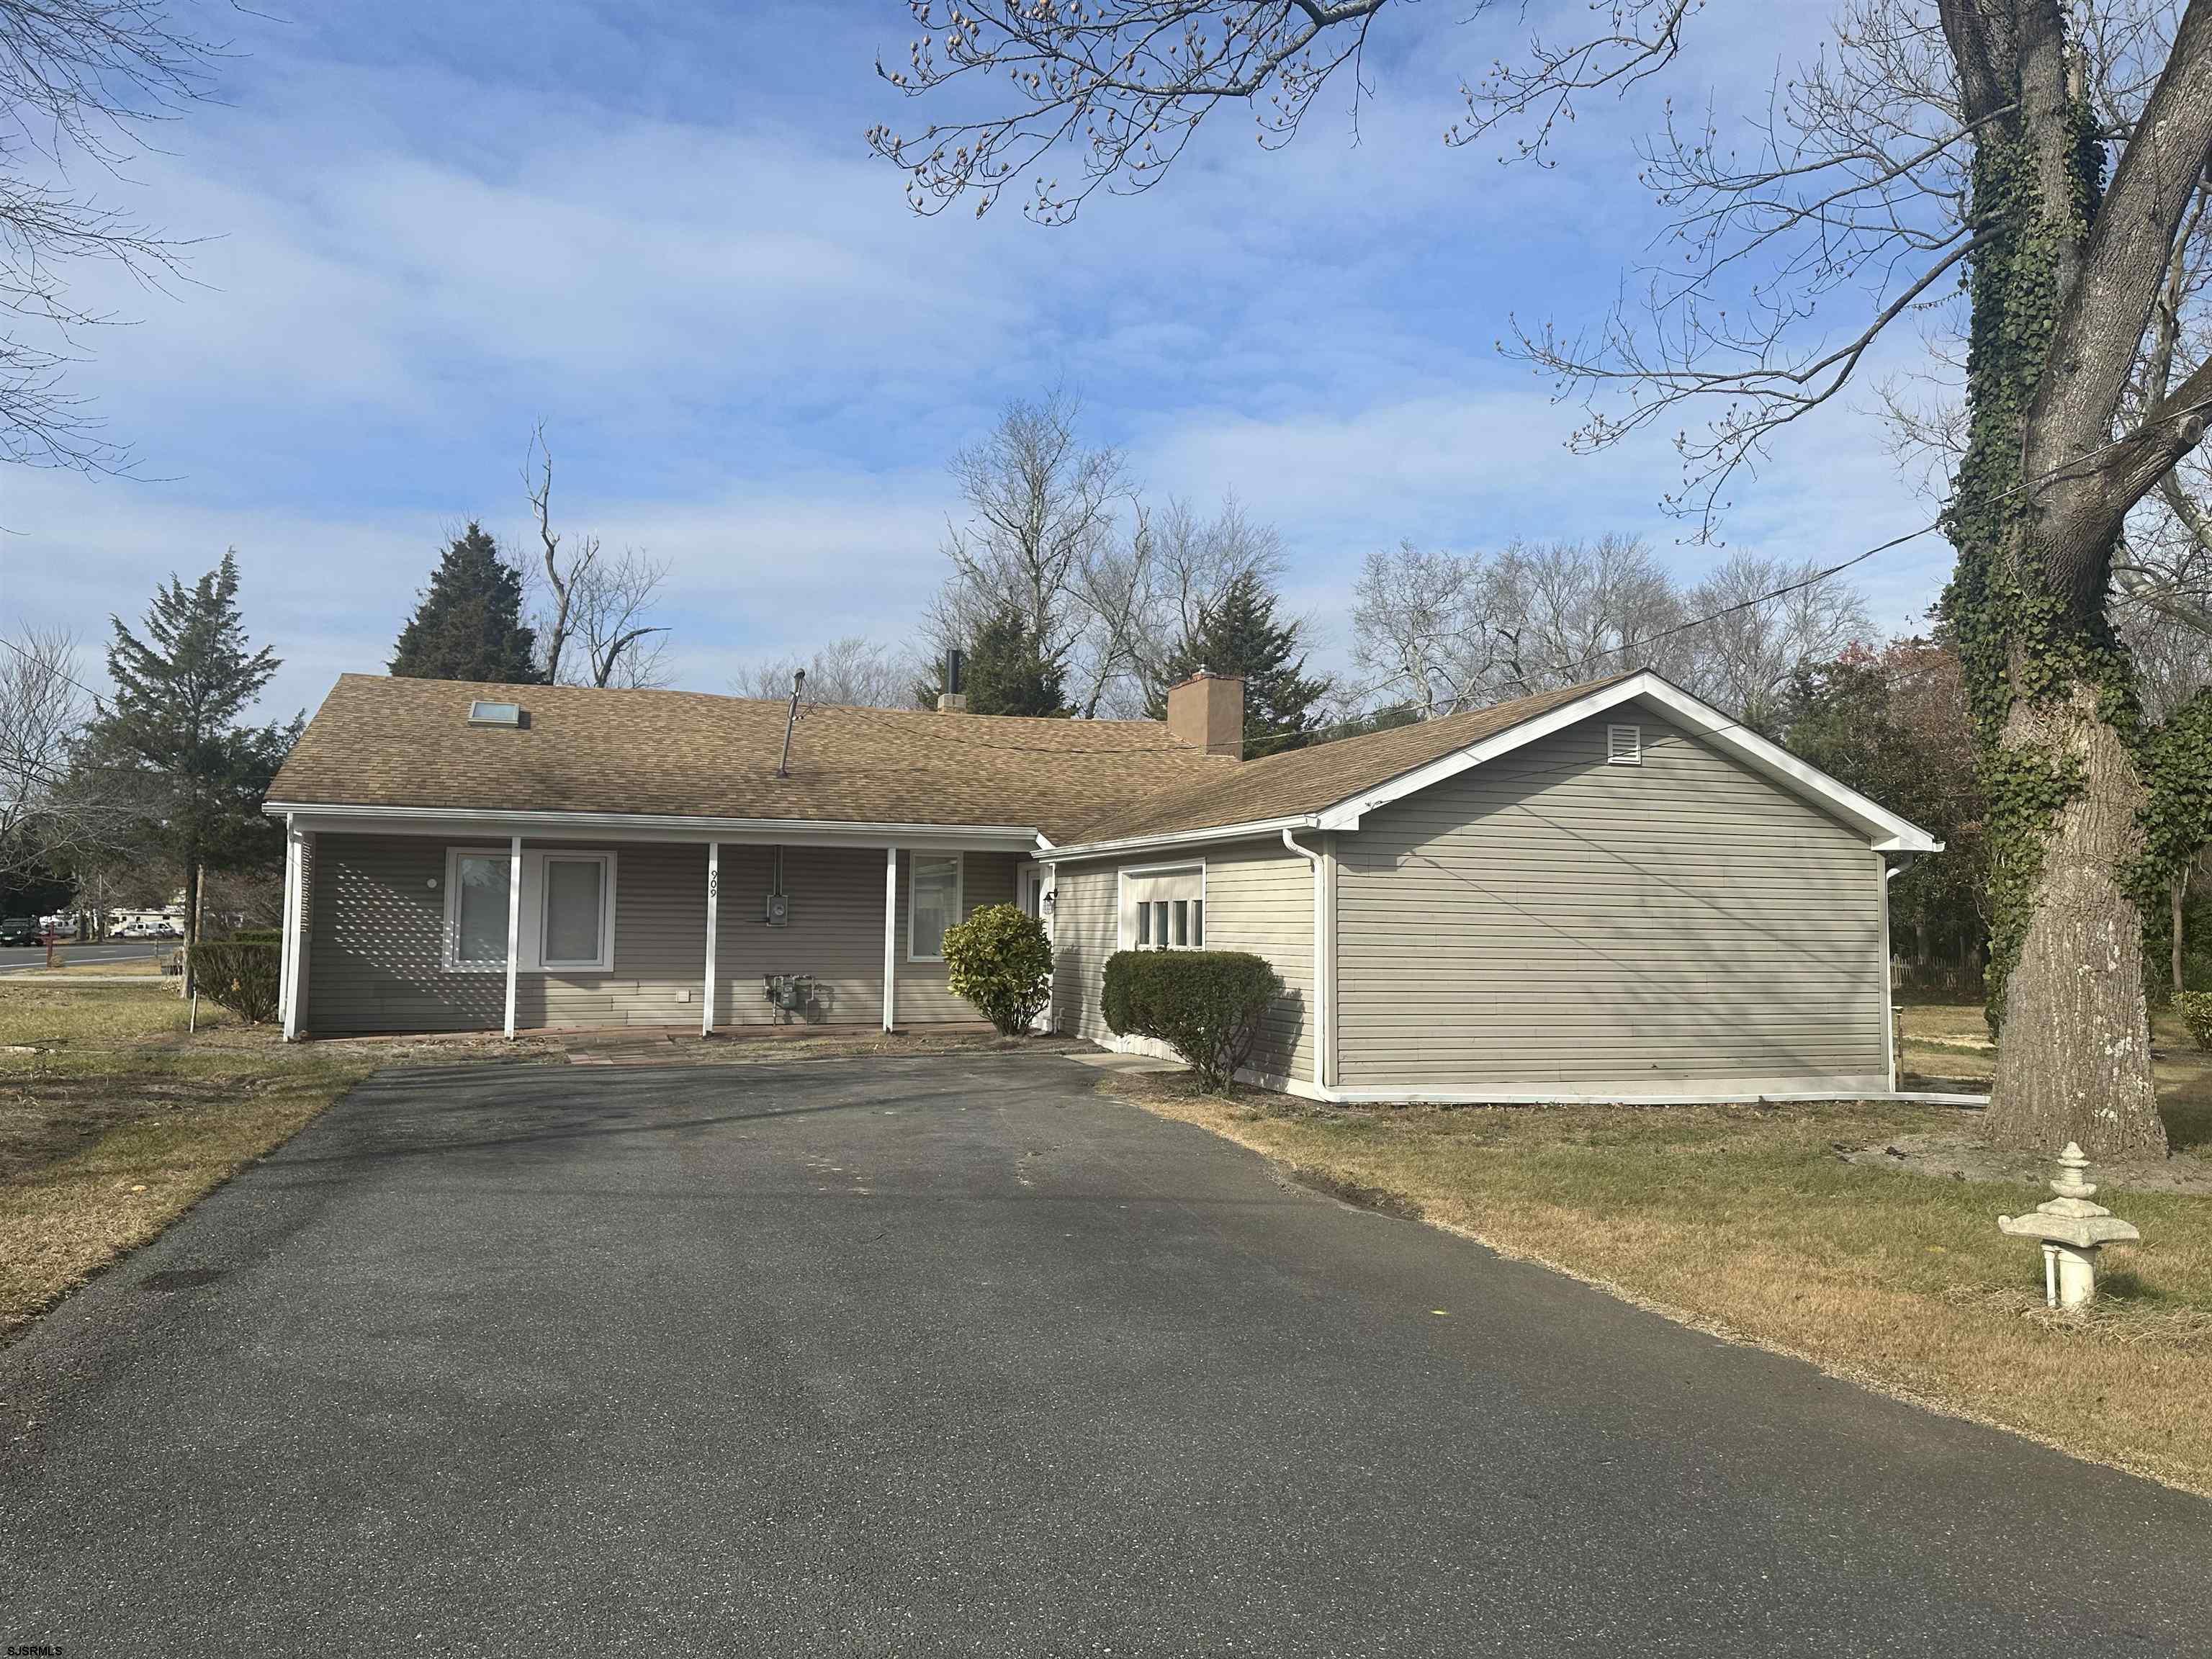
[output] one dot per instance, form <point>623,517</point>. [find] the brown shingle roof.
<point>381,742</point>
<point>1304,781</point>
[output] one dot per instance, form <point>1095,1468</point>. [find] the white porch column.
<point>714,907</point>
<point>513,922</point>
<point>288,958</point>
<point>890,937</point>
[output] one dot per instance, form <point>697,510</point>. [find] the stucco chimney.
<point>1207,712</point>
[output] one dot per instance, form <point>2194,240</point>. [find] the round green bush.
<point>2195,1008</point>
<point>1000,960</point>
<point>1205,1004</point>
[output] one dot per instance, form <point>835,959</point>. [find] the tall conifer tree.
<point>1238,634</point>
<point>175,741</point>
<point>468,624</point>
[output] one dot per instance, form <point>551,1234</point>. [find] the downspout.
<point>1890,1012</point>
<point>1324,1012</point>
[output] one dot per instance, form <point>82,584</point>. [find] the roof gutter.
<point>1258,828</point>
<point>665,826</point>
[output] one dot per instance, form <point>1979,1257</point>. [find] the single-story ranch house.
<point>1611,890</point>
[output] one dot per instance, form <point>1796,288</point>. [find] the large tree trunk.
<point>2062,280</point>
<point>2074,1045</point>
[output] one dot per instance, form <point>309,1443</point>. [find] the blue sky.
<point>659,230</point>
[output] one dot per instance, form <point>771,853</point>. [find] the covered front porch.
<point>420,923</point>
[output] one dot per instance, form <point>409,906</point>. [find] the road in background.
<point>114,951</point>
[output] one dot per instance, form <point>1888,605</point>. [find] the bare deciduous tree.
<point>1043,535</point>
<point>42,710</point>
<point>1438,632</point>
<point>851,672</point>
<point>54,815</point>
<point>1423,631</point>
<point>1743,656</point>
<point>80,81</point>
<point>589,600</point>
<point>610,602</point>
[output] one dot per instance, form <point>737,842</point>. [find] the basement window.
<point>1623,745</point>
<point>495,714</point>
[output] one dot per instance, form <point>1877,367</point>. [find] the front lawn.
<point>1751,1221</point>
<point>114,1120</point>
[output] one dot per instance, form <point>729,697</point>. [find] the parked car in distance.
<point>19,930</point>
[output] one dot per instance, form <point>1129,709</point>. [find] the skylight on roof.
<point>495,714</point>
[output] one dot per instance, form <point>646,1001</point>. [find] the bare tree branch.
<point>80,81</point>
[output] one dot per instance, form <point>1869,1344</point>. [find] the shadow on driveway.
<point>951,1354</point>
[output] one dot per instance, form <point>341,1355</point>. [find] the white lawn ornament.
<point>2073,1230</point>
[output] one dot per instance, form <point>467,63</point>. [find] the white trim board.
<point>1885,829</point>
<point>1561,1097</point>
<point>913,857</point>
<point>463,823</point>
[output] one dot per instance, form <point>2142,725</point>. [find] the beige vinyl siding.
<point>836,933</point>
<point>1545,920</point>
<point>377,922</point>
<point>1259,897</point>
<point>924,996</point>
<point>1083,931</point>
<point>377,943</point>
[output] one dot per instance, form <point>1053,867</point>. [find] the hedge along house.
<point>1608,891</point>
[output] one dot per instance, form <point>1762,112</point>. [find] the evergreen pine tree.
<point>1239,635</point>
<point>174,741</point>
<point>1006,672</point>
<point>468,624</point>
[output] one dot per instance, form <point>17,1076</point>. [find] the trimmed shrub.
<point>240,973</point>
<point>1000,960</point>
<point>258,936</point>
<point>1205,1004</point>
<point>2195,1008</point>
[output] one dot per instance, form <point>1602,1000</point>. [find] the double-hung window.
<point>565,923</point>
<point>933,904</point>
<point>1164,909</point>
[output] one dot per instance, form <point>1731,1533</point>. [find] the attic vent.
<point>1623,745</point>
<point>495,714</point>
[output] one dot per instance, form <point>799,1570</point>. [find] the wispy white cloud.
<point>668,240</point>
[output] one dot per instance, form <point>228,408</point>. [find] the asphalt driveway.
<point>952,1355</point>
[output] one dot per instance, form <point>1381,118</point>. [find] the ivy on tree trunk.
<point>2051,692</point>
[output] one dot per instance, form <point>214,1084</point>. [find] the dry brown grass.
<point>1747,1222</point>
<point>128,968</point>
